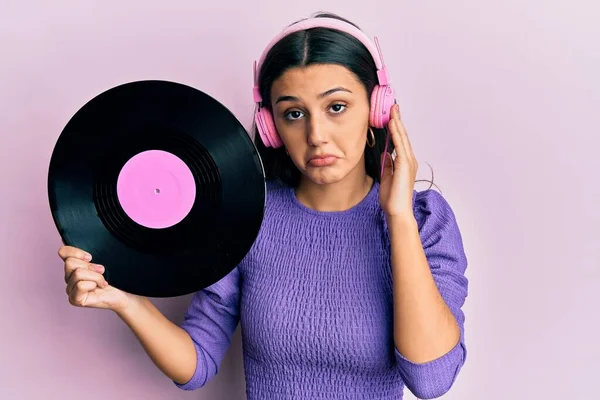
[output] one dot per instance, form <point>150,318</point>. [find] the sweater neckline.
<point>373,192</point>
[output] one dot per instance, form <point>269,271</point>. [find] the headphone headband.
<point>330,23</point>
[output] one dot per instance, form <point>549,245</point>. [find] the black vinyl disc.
<point>161,184</point>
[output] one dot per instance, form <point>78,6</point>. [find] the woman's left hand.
<point>398,177</point>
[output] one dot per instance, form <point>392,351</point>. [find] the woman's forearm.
<point>168,345</point>
<point>424,327</point>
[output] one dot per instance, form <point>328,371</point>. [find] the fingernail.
<point>100,268</point>
<point>88,257</point>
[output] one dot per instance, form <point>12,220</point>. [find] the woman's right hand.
<point>86,286</point>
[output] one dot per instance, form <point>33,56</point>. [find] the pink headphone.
<point>382,97</point>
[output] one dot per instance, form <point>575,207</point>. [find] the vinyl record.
<point>161,184</point>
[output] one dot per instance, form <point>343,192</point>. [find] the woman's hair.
<point>316,46</point>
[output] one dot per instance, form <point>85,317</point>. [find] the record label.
<point>156,189</point>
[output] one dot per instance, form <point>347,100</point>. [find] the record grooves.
<point>171,239</point>
<point>161,183</point>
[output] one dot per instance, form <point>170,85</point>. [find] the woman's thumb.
<point>387,165</point>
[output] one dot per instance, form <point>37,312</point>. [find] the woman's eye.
<point>338,108</point>
<point>293,115</point>
<point>296,115</point>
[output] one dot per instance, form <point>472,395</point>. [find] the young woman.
<point>354,286</point>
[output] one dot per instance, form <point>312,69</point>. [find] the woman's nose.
<point>315,134</point>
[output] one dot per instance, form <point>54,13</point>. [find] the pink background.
<point>501,98</point>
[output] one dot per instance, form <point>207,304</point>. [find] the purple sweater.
<point>314,298</point>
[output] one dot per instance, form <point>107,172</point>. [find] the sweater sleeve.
<point>211,320</point>
<point>444,250</point>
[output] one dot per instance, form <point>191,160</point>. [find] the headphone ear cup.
<point>382,99</point>
<point>266,128</point>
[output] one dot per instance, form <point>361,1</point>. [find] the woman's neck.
<point>338,196</point>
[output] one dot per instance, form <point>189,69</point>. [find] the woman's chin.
<point>323,177</point>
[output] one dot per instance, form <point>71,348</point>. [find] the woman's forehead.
<point>315,79</point>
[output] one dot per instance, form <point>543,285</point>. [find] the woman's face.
<point>322,115</point>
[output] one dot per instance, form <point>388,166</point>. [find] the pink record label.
<point>156,189</point>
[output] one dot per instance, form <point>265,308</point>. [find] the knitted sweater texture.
<point>314,297</point>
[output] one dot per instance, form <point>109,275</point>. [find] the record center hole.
<point>157,191</point>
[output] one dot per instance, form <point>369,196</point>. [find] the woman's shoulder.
<point>276,191</point>
<point>429,201</point>
<point>434,214</point>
